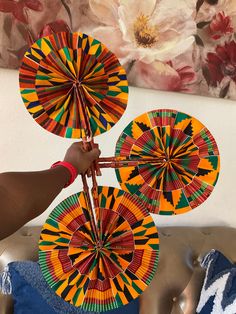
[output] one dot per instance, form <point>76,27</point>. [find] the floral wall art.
<point>186,46</point>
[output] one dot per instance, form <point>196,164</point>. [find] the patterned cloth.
<point>102,268</point>
<point>218,293</point>
<point>72,85</point>
<point>188,165</point>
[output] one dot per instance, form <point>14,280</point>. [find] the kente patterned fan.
<point>187,161</point>
<point>101,269</point>
<point>72,85</point>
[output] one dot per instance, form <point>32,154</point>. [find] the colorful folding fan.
<point>185,164</point>
<point>98,251</point>
<point>72,85</point>
<point>104,270</point>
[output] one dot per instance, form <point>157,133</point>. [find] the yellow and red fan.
<point>182,161</point>
<point>101,269</point>
<point>100,251</point>
<point>72,85</point>
<point>96,252</point>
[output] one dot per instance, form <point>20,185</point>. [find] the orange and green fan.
<point>103,270</point>
<point>72,85</point>
<point>185,164</point>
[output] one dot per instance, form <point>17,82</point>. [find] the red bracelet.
<point>73,171</point>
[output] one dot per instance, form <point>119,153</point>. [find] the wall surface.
<point>25,146</point>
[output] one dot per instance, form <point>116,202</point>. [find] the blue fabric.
<point>131,308</point>
<point>218,293</point>
<point>32,294</point>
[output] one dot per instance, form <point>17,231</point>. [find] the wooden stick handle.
<point>118,162</point>
<point>86,191</point>
<point>129,159</point>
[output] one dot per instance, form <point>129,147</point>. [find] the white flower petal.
<point>156,75</point>
<point>170,50</point>
<point>167,52</point>
<point>126,25</point>
<point>173,35</point>
<point>112,38</point>
<point>137,7</point>
<point>106,11</point>
<point>129,11</point>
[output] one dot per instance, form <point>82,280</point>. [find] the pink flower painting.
<point>186,46</point>
<point>221,64</point>
<point>221,25</point>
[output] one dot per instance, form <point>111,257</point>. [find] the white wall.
<point>25,146</point>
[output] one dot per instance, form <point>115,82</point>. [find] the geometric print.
<point>32,294</point>
<point>218,293</point>
<point>72,85</point>
<point>102,269</point>
<point>187,161</point>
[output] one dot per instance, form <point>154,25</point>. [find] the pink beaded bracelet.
<point>73,171</point>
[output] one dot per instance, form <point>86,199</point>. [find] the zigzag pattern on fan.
<point>99,248</point>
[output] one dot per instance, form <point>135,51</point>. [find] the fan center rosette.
<point>102,270</point>
<point>115,243</point>
<point>185,164</point>
<point>178,162</point>
<point>72,85</point>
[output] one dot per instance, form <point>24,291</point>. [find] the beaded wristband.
<point>70,168</point>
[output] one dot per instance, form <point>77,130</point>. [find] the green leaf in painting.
<point>198,40</point>
<point>203,24</point>
<point>224,91</point>
<point>206,74</point>
<point>199,4</point>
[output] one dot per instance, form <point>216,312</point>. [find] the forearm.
<point>26,195</point>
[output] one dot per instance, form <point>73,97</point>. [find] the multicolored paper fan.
<point>72,85</point>
<point>189,162</point>
<point>104,272</point>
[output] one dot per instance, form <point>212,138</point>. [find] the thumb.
<point>93,154</point>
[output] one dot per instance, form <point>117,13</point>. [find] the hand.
<point>79,158</point>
